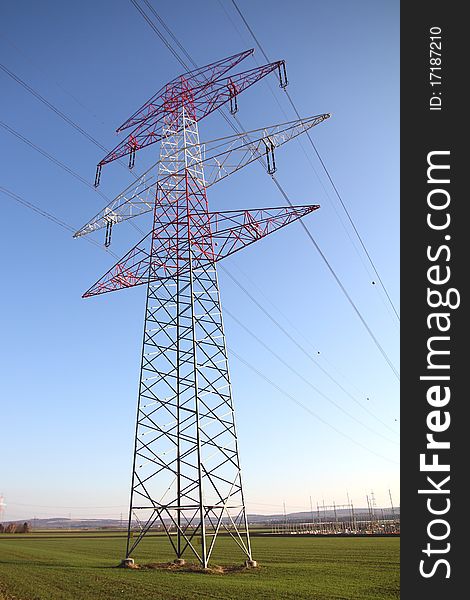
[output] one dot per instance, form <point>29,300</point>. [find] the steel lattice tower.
<point>186,475</point>
<point>185,406</point>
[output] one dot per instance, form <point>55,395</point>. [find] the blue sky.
<point>70,366</point>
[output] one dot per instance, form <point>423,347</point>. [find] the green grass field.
<point>65,567</point>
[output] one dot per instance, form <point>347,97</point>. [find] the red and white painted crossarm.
<point>197,77</point>
<point>201,101</point>
<point>223,157</point>
<point>232,230</point>
<point>213,236</point>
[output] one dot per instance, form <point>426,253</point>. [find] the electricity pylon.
<point>186,477</point>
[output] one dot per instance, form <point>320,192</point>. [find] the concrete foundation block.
<point>251,564</point>
<point>127,562</point>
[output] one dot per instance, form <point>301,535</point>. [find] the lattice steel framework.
<point>186,441</point>
<point>186,475</point>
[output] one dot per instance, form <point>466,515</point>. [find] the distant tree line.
<point>15,528</point>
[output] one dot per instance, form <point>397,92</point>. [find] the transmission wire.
<point>304,379</point>
<point>306,408</point>
<point>359,237</point>
<point>320,180</point>
<point>51,217</point>
<point>309,235</point>
<point>60,164</point>
<point>62,115</point>
<point>301,348</point>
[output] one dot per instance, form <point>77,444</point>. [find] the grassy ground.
<point>291,568</point>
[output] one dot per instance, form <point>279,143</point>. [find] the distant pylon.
<point>373,504</point>
<point>2,507</point>
<point>186,477</point>
<point>391,503</point>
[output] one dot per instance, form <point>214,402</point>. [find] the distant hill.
<point>306,516</point>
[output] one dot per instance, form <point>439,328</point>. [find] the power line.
<point>162,37</point>
<point>51,158</point>
<point>353,225</point>
<point>351,221</point>
<point>339,282</point>
<point>59,85</point>
<point>320,180</point>
<point>300,376</point>
<point>306,408</point>
<point>50,217</point>
<point>299,140</point>
<point>60,164</point>
<point>166,28</point>
<point>58,112</point>
<point>36,209</point>
<point>301,348</point>
<point>250,30</point>
<point>62,115</point>
<point>300,334</point>
<point>278,185</point>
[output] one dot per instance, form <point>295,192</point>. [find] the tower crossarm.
<point>222,158</point>
<point>242,150</point>
<point>196,78</point>
<point>232,230</point>
<point>160,257</point>
<point>205,98</point>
